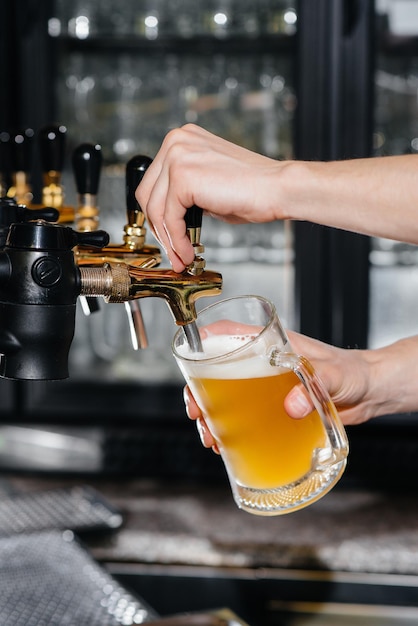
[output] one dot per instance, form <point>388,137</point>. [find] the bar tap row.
<point>52,254</point>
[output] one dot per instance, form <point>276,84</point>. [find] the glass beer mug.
<point>276,464</point>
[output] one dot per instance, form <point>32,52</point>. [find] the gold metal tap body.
<point>121,283</point>
<point>144,256</point>
<point>86,216</point>
<point>21,189</point>
<point>53,196</point>
<point>52,191</point>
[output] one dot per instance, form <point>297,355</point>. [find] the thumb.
<point>297,403</point>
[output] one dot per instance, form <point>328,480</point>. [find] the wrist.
<point>300,201</point>
<point>391,372</point>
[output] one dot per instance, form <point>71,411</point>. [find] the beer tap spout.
<point>121,282</point>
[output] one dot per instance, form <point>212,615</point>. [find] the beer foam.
<point>215,345</point>
<point>254,365</point>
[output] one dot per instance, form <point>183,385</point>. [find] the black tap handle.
<point>48,214</point>
<point>5,153</point>
<point>40,235</point>
<point>135,170</point>
<point>22,151</point>
<point>193,217</point>
<point>52,147</point>
<point>87,163</point>
<point>11,212</point>
<point>92,239</point>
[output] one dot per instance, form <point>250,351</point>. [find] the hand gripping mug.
<point>276,464</point>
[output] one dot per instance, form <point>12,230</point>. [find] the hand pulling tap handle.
<point>87,163</point>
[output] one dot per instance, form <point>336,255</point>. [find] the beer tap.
<point>87,163</point>
<point>194,228</point>
<point>51,140</point>
<point>133,250</point>
<point>21,160</point>
<point>40,282</point>
<point>45,267</point>
<point>124,283</point>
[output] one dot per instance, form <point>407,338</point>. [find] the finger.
<point>205,435</point>
<point>192,409</point>
<point>178,142</point>
<point>180,250</point>
<point>155,214</point>
<point>297,403</point>
<point>166,216</point>
<point>195,413</point>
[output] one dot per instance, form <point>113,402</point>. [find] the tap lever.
<point>21,162</point>
<point>92,239</point>
<point>193,219</point>
<point>11,212</point>
<point>135,170</point>
<point>134,230</point>
<point>48,214</point>
<point>51,140</point>
<point>87,163</point>
<point>22,151</point>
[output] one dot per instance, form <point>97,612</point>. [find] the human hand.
<point>195,167</point>
<point>345,374</point>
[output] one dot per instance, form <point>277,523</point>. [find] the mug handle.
<point>320,397</point>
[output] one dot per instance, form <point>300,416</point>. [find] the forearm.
<point>394,377</point>
<point>362,383</point>
<point>376,197</point>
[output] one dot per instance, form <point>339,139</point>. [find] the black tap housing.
<point>39,286</point>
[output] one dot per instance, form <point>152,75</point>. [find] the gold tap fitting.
<point>121,283</point>
<point>20,189</point>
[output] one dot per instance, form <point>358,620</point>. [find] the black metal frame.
<point>335,50</point>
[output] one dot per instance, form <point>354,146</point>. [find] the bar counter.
<point>348,530</point>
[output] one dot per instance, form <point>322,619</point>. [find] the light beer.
<point>240,379</point>
<point>242,402</point>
